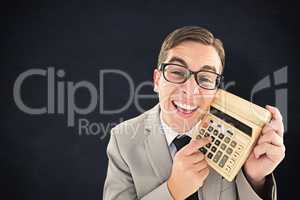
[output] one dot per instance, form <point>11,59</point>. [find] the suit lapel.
<point>156,145</point>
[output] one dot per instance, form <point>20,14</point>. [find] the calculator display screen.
<point>230,120</point>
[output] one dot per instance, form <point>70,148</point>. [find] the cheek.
<point>207,97</point>
<point>165,93</point>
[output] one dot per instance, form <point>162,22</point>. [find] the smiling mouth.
<point>184,108</point>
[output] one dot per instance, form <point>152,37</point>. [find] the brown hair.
<point>191,33</point>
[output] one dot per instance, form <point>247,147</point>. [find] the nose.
<point>190,87</point>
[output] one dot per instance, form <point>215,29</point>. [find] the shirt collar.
<point>170,133</point>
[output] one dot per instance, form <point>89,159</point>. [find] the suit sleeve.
<point>119,184</point>
<point>246,192</point>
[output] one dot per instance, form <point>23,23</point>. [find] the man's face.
<point>183,105</point>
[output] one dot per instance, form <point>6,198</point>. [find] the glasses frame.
<point>220,77</point>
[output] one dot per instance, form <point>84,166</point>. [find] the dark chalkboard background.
<point>43,158</point>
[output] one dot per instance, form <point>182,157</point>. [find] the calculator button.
<point>213,149</point>
<point>228,169</point>
<point>211,121</point>
<point>217,156</point>
<point>209,155</point>
<point>208,145</point>
<point>203,150</point>
<point>223,161</point>
<point>223,146</point>
<point>235,156</point>
<point>229,150</point>
<point>233,144</point>
<point>212,138</point>
<point>217,142</point>
<point>198,137</point>
<point>239,148</point>
<point>202,131</point>
<point>227,140</point>
<point>210,128</point>
<point>215,132</point>
<point>221,136</point>
<point>230,162</point>
<point>206,134</point>
<point>230,133</point>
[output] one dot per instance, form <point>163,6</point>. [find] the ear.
<point>156,78</point>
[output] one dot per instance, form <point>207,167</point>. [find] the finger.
<point>195,157</point>
<point>202,174</point>
<point>271,137</point>
<point>275,112</point>
<point>274,125</point>
<point>200,166</point>
<point>270,150</point>
<point>194,146</point>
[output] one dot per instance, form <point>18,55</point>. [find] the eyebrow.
<point>182,61</point>
<point>210,68</point>
<point>179,60</point>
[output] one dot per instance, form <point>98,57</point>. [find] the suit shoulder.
<point>133,130</point>
<point>129,125</point>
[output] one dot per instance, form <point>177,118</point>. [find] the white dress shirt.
<point>170,136</point>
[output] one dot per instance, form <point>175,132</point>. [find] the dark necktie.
<point>181,141</point>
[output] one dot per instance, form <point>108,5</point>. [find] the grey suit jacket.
<point>139,164</point>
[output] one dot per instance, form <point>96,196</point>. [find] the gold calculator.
<point>234,124</point>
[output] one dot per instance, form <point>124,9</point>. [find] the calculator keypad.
<point>224,150</point>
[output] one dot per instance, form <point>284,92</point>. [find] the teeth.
<point>185,106</point>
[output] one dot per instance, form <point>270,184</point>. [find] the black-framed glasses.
<point>176,73</point>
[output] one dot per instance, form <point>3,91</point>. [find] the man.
<point>145,161</point>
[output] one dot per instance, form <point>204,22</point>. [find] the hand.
<point>268,152</point>
<point>189,170</point>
